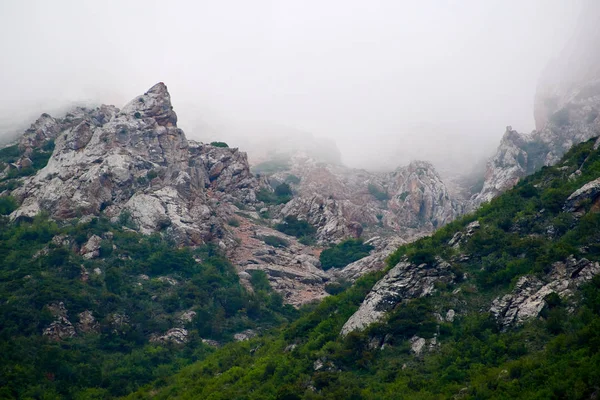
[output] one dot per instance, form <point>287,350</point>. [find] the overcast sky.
<point>389,81</point>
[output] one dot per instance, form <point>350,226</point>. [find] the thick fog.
<point>388,81</point>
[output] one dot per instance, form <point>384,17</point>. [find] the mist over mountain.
<point>300,200</point>
<point>388,82</point>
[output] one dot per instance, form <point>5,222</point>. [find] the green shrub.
<point>378,193</point>
<point>10,154</point>
<point>293,179</point>
<point>281,195</point>
<point>283,190</point>
<point>344,253</point>
<point>271,167</point>
<point>8,204</point>
<point>219,144</point>
<point>233,222</point>
<point>275,241</point>
<point>292,226</point>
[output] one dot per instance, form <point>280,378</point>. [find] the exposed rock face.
<point>588,192</point>
<point>134,164</point>
<point>245,335</point>
<point>420,198</point>
<point>61,328</point>
<point>528,298</point>
<point>339,201</point>
<point>91,249</point>
<point>566,107</point>
<point>460,237</point>
<point>293,271</point>
<point>404,281</point>
<point>87,322</point>
<point>373,262</point>
<point>174,335</point>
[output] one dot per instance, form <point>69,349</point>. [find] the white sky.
<point>389,81</point>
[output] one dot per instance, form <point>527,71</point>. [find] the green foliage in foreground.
<point>522,232</point>
<point>475,360</point>
<point>36,271</point>
<point>344,253</point>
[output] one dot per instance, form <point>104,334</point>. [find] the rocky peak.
<point>566,107</point>
<point>155,104</point>
<point>134,164</point>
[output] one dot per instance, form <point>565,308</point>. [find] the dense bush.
<point>344,253</point>
<point>292,226</point>
<point>7,205</point>
<point>219,144</point>
<point>282,194</point>
<point>378,193</point>
<point>293,179</point>
<point>275,241</point>
<point>34,272</point>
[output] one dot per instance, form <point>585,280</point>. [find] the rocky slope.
<point>566,190</point>
<point>134,164</point>
<point>137,168</point>
<point>343,202</point>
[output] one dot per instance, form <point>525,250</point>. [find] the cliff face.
<point>408,202</point>
<point>136,167</point>
<point>566,109</point>
<point>133,164</point>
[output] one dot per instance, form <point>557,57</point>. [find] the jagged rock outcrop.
<point>461,236</point>
<point>61,328</point>
<point>174,335</point>
<point>405,281</point>
<point>343,202</point>
<point>589,192</point>
<point>293,270</point>
<point>91,249</point>
<point>87,322</point>
<point>384,246</point>
<point>528,299</point>
<point>566,109</point>
<point>419,197</point>
<point>134,164</point>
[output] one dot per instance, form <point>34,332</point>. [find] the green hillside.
<point>521,232</point>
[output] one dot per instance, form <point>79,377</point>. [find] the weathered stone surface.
<point>527,300</point>
<point>373,262</point>
<point>61,328</point>
<point>135,165</point>
<point>340,201</point>
<point>245,335</point>
<point>174,335</point>
<point>87,322</point>
<point>91,249</point>
<point>588,192</point>
<point>404,281</point>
